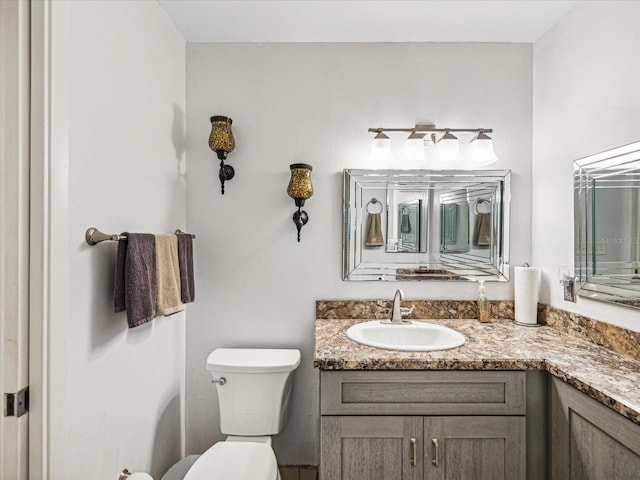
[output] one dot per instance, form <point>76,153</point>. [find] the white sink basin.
<point>413,337</point>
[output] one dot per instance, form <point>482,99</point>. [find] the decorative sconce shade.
<point>448,150</point>
<point>300,189</point>
<point>221,141</point>
<point>481,150</point>
<point>381,155</point>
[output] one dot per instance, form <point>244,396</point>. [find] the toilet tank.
<point>257,385</point>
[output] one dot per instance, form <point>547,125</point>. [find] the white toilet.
<point>254,386</point>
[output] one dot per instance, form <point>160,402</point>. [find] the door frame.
<point>14,230</point>
<point>49,245</point>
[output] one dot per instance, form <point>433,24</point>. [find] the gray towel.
<point>135,283</point>
<point>482,232</point>
<point>185,258</point>
<point>405,224</point>
<point>119,287</point>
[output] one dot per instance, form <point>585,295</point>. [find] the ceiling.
<point>522,21</point>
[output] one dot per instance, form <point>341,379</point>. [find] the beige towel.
<point>374,231</point>
<point>168,276</point>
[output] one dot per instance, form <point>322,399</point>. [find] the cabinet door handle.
<point>414,452</point>
<point>435,452</point>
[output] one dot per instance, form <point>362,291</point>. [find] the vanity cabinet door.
<point>589,441</point>
<point>370,448</point>
<point>480,448</point>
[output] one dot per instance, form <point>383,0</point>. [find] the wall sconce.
<point>300,189</point>
<point>221,141</point>
<point>447,150</point>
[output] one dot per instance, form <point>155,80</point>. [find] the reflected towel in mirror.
<point>482,231</point>
<point>405,226</point>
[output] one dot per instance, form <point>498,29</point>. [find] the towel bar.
<point>94,236</point>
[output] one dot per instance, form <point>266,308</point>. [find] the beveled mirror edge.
<point>585,171</point>
<point>501,273</point>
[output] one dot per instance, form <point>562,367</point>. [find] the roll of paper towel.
<point>135,475</point>
<point>527,289</point>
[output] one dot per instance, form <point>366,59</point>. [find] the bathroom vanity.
<point>512,403</point>
<point>589,440</point>
<point>378,424</point>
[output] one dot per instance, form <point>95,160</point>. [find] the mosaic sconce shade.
<point>222,142</point>
<point>300,189</point>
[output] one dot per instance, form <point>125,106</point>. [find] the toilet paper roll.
<point>527,290</point>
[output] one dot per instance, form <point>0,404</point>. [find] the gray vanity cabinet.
<point>415,448</point>
<point>589,441</point>
<point>422,425</point>
<point>370,448</point>
<point>483,448</point>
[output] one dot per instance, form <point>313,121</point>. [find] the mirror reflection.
<point>607,225</point>
<point>426,224</point>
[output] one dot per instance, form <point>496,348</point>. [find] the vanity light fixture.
<point>300,189</point>
<point>380,155</point>
<point>447,150</point>
<point>221,141</point>
<point>481,150</point>
<point>414,151</point>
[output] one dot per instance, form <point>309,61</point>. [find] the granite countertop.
<point>611,378</point>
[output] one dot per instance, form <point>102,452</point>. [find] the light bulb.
<point>481,150</point>
<point>380,155</point>
<point>448,151</point>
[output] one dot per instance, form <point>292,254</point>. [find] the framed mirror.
<point>607,225</point>
<point>403,225</point>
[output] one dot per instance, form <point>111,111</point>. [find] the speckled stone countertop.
<point>611,378</point>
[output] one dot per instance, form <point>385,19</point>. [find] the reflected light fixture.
<point>300,189</point>
<point>444,152</point>
<point>380,155</point>
<point>481,150</point>
<point>221,141</point>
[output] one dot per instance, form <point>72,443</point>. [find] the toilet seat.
<point>235,461</point>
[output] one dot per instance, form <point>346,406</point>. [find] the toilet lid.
<point>235,461</point>
<point>253,360</point>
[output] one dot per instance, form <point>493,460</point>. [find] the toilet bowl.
<point>254,387</point>
<point>235,461</point>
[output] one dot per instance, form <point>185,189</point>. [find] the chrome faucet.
<point>396,316</point>
<point>398,311</point>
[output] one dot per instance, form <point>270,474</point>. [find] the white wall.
<point>586,100</point>
<point>313,103</point>
<point>117,393</point>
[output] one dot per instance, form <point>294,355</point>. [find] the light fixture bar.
<point>430,128</point>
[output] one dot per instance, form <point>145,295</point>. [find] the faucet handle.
<point>406,311</point>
